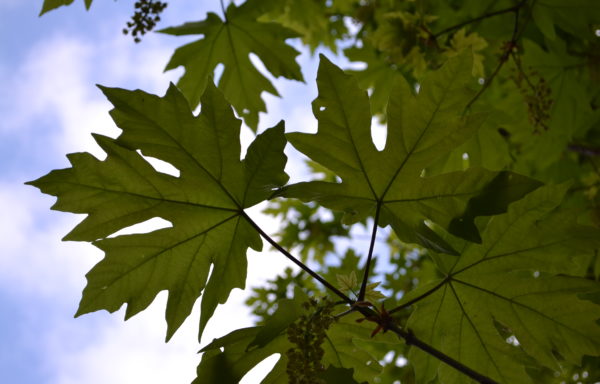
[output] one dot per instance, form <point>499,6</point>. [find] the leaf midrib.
<point>189,155</point>
<point>516,303</point>
<point>333,86</point>
<point>153,257</point>
<point>409,154</point>
<point>161,199</point>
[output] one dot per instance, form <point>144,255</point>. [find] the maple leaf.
<point>53,4</point>
<point>373,295</point>
<point>311,19</point>
<point>574,17</point>
<point>347,282</point>
<point>230,42</point>
<point>387,183</point>
<point>205,204</point>
<point>509,282</point>
<point>461,41</point>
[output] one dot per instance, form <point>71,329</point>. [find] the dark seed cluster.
<point>308,334</point>
<point>537,94</point>
<point>147,14</point>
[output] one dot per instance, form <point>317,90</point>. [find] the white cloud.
<point>55,86</point>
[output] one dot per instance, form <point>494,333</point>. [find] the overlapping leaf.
<point>378,75</point>
<point>421,128</point>
<point>227,359</point>
<point>53,4</point>
<point>204,204</point>
<point>508,286</point>
<point>575,16</point>
<point>230,42</point>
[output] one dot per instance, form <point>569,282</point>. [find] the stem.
<point>514,8</point>
<point>363,285</point>
<point>420,297</point>
<point>368,312</point>
<point>505,55</point>
<point>411,339</point>
<point>303,266</point>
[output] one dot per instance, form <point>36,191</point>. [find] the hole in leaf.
<point>481,81</point>
<point>161,166</point>
<point>322,108</point>
<point>401,361</point>
<point>147,226</point>
<point>378,134</point>
<point>465,160</point>
<point>388,357</point>
<point>513,340</point>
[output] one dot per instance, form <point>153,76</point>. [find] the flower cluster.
<point>537,94</point>
<point>307,334</point>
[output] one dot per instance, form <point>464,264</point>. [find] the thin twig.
<point>408,336</point>
<point>420,297</point>
<point>363,285</point>
<point>514,8</point>
<point>411,339</point>
<point>296,261</point>
<point>505,55</point>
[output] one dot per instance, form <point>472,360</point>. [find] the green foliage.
<point>230,42</point>
<point>205,204</point>
<point>510,280</point>
<point>388,182</point>
<point>488,183</point>
<point>53,4</point>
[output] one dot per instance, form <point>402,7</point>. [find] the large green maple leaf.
<point>230,42</point>
<point>508,286</point>
<point>387,184</point>
<point>205,204</point>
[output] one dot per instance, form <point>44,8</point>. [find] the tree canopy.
<point>481,211</point>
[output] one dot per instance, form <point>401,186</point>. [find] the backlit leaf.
<point>53,4</point>
<point>421,128</point>
<point>509,281</point>
<point>204,204</point>
<point>230,42</point>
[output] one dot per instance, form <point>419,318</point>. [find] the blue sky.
<point>49,104</point>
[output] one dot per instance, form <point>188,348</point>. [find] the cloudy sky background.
<point>49,105</point>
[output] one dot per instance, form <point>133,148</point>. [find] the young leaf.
<point>347,282</point>
<point>421,128</point>
<point>230,42</point>
<point>509,281</point>
<point>373,295</point>
<point>204,204</point>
